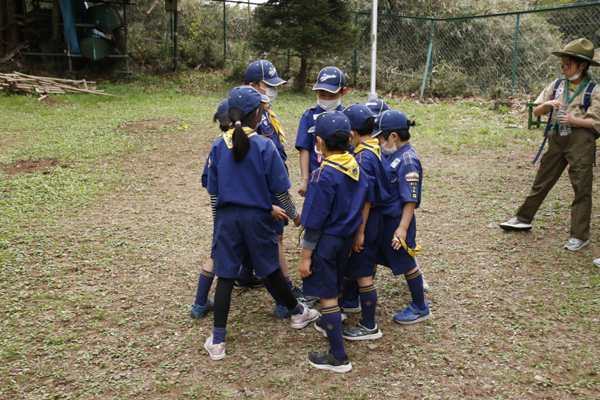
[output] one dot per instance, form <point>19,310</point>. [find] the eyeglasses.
<point>565,66</point>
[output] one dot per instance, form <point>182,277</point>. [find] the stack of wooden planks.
<point>43,86</point>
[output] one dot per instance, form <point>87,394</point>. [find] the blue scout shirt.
<point>406,177</point>
<point>334,200</point>
<point>250,182</point>
<point>267,129</point>
<point>368,155</point>
<point>306,140</point>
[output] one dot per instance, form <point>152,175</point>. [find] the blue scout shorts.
<point>399,261</point>
<point>361,265</point>
<point>328,265</point>
<point>239,229</point>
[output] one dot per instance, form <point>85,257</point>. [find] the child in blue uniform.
<point>262,76</point>
<point>398,247</point>
<point>377,106</point>
<point>330,87</point>
<point>244,171</point>
<point>335,198</point>
<point>367,239</point>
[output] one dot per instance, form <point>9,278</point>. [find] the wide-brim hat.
<point>580,48</point>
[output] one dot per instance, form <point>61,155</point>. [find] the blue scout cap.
<point>389,120</point>
<point>330,79</point>
<point>328,123</point>
<point>358,114</point>
<point>377,106</point>
<point>244,97</point>
<point>223,111</point>
<point>263,70</point>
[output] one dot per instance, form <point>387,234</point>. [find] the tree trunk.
<point>56,20</point>
<point>300,85</point>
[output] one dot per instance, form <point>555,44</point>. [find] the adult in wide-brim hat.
<point>580,48</point>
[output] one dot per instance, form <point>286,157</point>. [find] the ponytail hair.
<point>241,142</point>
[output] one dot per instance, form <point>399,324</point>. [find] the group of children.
<point>361,183</point>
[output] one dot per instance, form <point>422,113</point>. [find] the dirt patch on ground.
<point>147,126</point>
<point>32,166</point>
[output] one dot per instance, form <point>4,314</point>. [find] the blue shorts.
<point>361,265</point>
<point>399,261</point>
<point>328,265</point>
<point>239,230</point>
<point>279,226</point>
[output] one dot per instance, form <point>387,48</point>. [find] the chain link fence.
<point>495,55</point>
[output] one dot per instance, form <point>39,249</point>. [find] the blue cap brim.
<point>311,130</point>
<point>274,81</point>
<point>327,88</point>
<point>375,134</point>
<point>264,99</point>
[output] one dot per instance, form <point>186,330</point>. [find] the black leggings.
<point>225,287</point>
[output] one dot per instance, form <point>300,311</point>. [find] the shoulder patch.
<point>395,163</point>
<point>313,107</point>
<point>412,177</point>
<point>407,158</point>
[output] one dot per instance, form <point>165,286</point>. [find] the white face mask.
<point>386,151</point>
<point>319,152</point>
<point>576,76</point>
<point>271,93</point>
<point>329,105</point>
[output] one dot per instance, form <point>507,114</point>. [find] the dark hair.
<point>368,129</point>
<point>579,61</point>
<point>338,146</point>
<point>223,128</point>
<point>241,142</point>
<point>248,82</point>
<point>403,134</point>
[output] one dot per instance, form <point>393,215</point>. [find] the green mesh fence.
<point>497,54</point>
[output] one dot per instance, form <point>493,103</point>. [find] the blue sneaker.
<point>282,312</point>
<point>352,306</point>
<point>412,314</point>
<point>199,311</point>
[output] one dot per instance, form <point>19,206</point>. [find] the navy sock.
<point>289,281</point>
<point>332,321</point>
<point>298,310</point>
<point>271,291</point>
<point>368,302</point>
<point>349,290</point>
<point>204,283</point>
<point>415,285</point>
<point>244,273</point>
<point>219,335</point>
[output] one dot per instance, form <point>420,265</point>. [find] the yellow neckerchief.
<point>372,145</point>
<point>276,125</point>
<point>228,136</point>
<point>344,163</point>
<point>411,252</point>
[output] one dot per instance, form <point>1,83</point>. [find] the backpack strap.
<point>587,96</point>
<point>548,124</point>
<point>556,85</point>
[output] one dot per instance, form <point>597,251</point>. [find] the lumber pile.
<point>43,86</point>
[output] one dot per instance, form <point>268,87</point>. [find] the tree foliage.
<point>308,28</point>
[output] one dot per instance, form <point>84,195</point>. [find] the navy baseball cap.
<point>377,106</point>
<point>223,111</point>
<point>330,79</point>
<point>244,97</point>
<point>328,123</point>
<point>358,114</point>
<point>263,70</point>
<point>390,120</point>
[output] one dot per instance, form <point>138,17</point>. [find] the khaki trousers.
<point>578,150</point>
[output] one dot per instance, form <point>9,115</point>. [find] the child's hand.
<point>279,213</point>
<point>552,104</point>
<point>304,268</point>
<point>566,119</point>
<point>399,234</point>
<point>302,189</point>
<point>297,220</point>
<point>359,241</point>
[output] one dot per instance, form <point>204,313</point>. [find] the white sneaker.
<point>215,351</point>
<point>425,286</point>
<point>299,321</point>
<point>514,224</point>
<point>575,244</point>
<point>597,262</point>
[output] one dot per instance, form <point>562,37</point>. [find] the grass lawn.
<point>102,241</point>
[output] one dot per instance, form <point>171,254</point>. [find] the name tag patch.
<point>395,163</point>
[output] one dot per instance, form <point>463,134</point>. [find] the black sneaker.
<point>252,282</point>
<point>361,332</point>
<point>298,294</point>
<point>326,360</point>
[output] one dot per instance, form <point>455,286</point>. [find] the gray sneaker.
<point>575,244</point>
<point>306,317</point>
<point>215,351</point>
<point>514,224</point>
<point>361,332</point>
<point>597,262</point>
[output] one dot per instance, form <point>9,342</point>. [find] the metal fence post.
<point>429,54</point>
<point>224,34</point>
<point>355,52</point>
<point>514,70</point>
<point>282,64</point>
